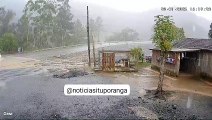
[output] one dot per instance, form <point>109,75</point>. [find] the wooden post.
<point>94,56</point>
<point>89,56</point>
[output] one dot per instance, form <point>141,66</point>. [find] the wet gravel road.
<point>41,96</point>
<point>32,93</point>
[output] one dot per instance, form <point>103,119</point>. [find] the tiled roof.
<point>194,43</point>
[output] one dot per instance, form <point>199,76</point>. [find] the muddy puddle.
<point>147,79</point>
<point>190,83</point>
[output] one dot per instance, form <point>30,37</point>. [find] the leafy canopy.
<point>164,32</point>
<point>6,17</point>
<point>180,34</point>
<point>96,25</point>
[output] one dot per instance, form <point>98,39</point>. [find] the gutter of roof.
<point>179,49</point>
<point>207,50</point>
<point>184,49</point>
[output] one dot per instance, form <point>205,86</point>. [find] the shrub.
<point>137,54</point>
<point>8,43</point>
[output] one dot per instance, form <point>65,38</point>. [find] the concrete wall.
<point>206,63</point>
<point>172,69</point>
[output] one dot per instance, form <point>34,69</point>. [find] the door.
<point>108,61</point>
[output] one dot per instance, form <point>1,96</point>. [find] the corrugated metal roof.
<point>128,46</point>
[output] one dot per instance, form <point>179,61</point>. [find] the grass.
<point>143,64</point>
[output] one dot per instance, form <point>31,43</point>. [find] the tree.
<point>79,32</point>
<point>126,34</point>
<point>210,32</point>
<point>24,26</point>
<point>8,42</point>
<point>6,16</point>
<point>38,22</point>
<point>46,23</point>
<point>92,26</point>
<point>1,45</point>
<point>23,33</point>
<point>64,21</point>
<point>96,27</point>
<point>180,34</point>
<point>164,35</point>
<point>129,34</point>
<point>137,54</point>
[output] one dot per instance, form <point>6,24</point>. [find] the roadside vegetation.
<point>44,24</point>
<point>8,43</point>
<point>137,56</point>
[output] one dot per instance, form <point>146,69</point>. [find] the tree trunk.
<point>62,40</point>
<point>27,42</point>
<point>161,76</point>
<point>136,64</point>
<point>98,37</point>
<point>40,37</point>
<point>33,34</point>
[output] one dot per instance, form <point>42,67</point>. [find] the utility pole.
<point>89,56</point>
<point>94,55</point>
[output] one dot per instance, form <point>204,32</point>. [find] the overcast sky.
<point>143,5</point>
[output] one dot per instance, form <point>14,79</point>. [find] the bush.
<point>137,54</point>
<point>0,45</point>
<point>8,43</point>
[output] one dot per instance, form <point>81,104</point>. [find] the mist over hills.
<point>115,20</point>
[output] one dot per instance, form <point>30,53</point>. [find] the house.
<point>190,55</point>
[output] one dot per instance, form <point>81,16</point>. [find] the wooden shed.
<point>115,60</point>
